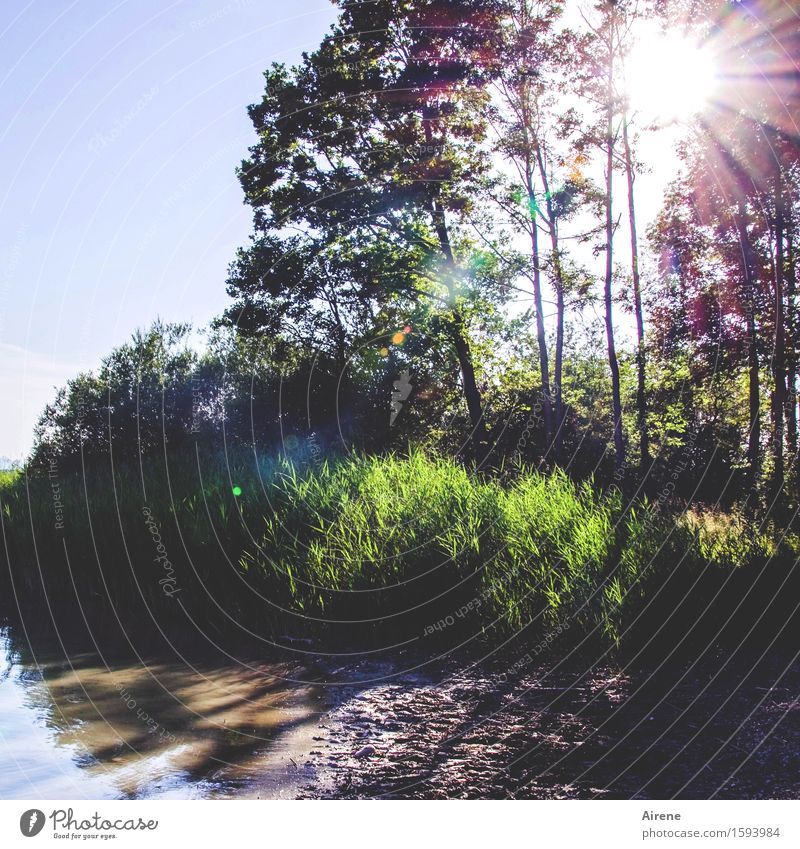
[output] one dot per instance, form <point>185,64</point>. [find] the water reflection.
<point>78,727</point>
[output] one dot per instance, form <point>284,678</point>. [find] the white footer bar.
<point>412,825</point>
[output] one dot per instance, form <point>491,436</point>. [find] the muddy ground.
<point>725,726</point>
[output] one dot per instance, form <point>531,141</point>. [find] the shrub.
<point>380,547</point>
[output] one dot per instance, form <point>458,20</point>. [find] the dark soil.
<point>725,726</point>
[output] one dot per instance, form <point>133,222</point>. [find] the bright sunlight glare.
<point>668,77</point>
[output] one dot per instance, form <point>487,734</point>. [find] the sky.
<point>122,127</point>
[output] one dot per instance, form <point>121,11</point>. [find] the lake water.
<point>85,726</point>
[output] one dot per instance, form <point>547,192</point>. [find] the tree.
<point>630,175</point>
<point>139,400</point>
<point>372,149</point>
<point>535,134</point>
<point>600,88</point>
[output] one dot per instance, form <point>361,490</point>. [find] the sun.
<point>668,77</point>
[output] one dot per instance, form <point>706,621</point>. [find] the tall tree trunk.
<point>616,399</point>
<point>779,350</point>
<point>533,210</point>
<point>791,349</point>
<point>641,398</point>
<point>754,436</point>
<point>754,390</point>
<point>558,274</point>
<point>559,369</point>
<point>479,437</point>
<point>541,337</point>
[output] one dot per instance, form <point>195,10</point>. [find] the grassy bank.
<point>384,550</point>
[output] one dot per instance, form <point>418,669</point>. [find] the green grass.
<point>384,548</point>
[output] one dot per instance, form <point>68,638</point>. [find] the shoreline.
<point>698,730</point>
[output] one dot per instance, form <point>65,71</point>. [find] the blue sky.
<point>122,127</point>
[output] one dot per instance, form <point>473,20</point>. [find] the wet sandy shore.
<point>724,727</point>
<point>91,726</point>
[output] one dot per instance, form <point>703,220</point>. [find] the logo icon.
<point>31,822</point>
<point>402,389</point>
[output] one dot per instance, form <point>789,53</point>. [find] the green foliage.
<point>730,538</point>
<point>8,477</point>
<point>371,523</point>
<point>139,399</point>
<point>556,538</point>
<point>395,543</point>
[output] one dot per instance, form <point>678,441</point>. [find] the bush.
<point>378,549</point>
